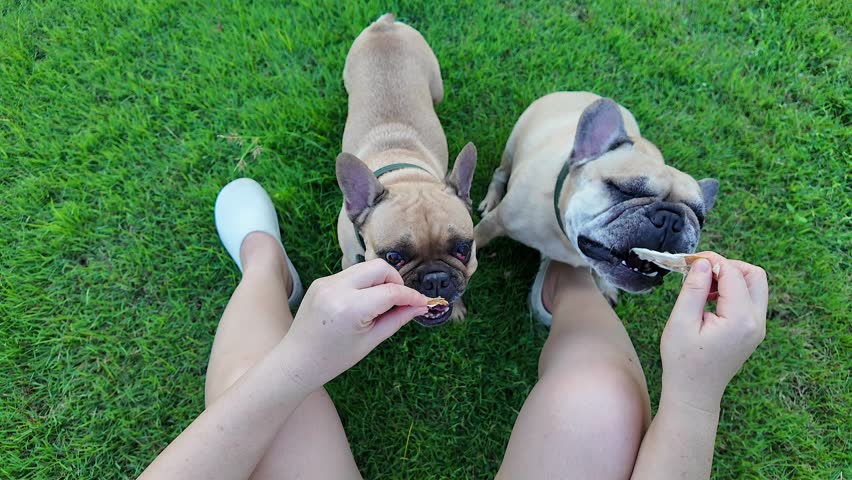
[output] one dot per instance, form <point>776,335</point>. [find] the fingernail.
<point>702,265</point>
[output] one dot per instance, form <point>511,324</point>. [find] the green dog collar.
<point>557,192</point>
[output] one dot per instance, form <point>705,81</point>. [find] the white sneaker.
<point>243,207</point>
<point>536,303</point>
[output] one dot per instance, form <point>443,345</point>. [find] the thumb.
<point>391,321</point>
<point>689,307</point>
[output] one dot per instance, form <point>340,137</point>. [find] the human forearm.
<point>228,439</point>
<point>341,319</point>
<point>679,442</point>
<point>701,351</point>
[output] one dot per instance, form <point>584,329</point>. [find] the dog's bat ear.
<point>361,189</point>
<point>461,177</point>
<point>600,130</point>
<point>709,190</point>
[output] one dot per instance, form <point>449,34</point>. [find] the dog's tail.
<point>385,22</point>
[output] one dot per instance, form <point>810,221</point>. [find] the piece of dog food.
<point>437,301</point>
<point>676,262</point>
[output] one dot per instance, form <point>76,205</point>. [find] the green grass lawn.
<point>112,278</point>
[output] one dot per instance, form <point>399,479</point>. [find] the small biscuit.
<point>676,262</point>
<point>438,301</point>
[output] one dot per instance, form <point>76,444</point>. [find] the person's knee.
<point>601,387</point>
<point>583,419</point>
<point>599,408</point>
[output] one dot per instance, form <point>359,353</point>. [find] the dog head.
<point>620,194</point>
<point>423,228</point>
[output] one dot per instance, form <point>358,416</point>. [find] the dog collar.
<point>378,173</point>
<point>557,192</point>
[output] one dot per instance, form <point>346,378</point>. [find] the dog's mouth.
<point>436,315</point>
<point>626,260</point>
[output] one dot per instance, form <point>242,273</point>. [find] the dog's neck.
<point>558,191</point>
<point>388,142</point>
<point>567,236</point>
<point>385,163</point>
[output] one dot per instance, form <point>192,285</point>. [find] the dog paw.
<point>459,311</point>
<point>490,202</point>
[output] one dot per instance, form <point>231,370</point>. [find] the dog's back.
<point>393,81</point>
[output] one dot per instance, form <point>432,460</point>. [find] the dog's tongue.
<point>438,309</point>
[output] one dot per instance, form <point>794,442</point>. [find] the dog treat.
<point>676,262</point>
<point>438,301</point>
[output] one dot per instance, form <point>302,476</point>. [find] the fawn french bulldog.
<point>399,202</point>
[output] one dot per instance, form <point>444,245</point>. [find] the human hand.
<point>343,317</point>
<point>701,351</point>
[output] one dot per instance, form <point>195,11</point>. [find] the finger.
<point>709,318</point>
<point>689,306</point>
<point>381,298</point>
<point>733,291</point>
<point>758,286</point>
<point>369,274</point>
<point>713,257</point>
<point>391,321</point>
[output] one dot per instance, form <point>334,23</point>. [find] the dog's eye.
<point>462,251</point>
<point>631,190</point>
<point>395,259</point>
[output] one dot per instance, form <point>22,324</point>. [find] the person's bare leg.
<point>586,416</point>
<point>312,443</point>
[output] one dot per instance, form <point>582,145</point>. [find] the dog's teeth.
<point>624,262</point>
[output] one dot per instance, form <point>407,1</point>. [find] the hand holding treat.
<point>702,350</point>
<point>345,316</point>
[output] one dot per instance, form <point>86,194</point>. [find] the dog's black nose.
<point>666,219</point>
<point>436,284</point>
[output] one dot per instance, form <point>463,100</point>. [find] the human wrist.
<point>705,399</point>
<point>295,369</point>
